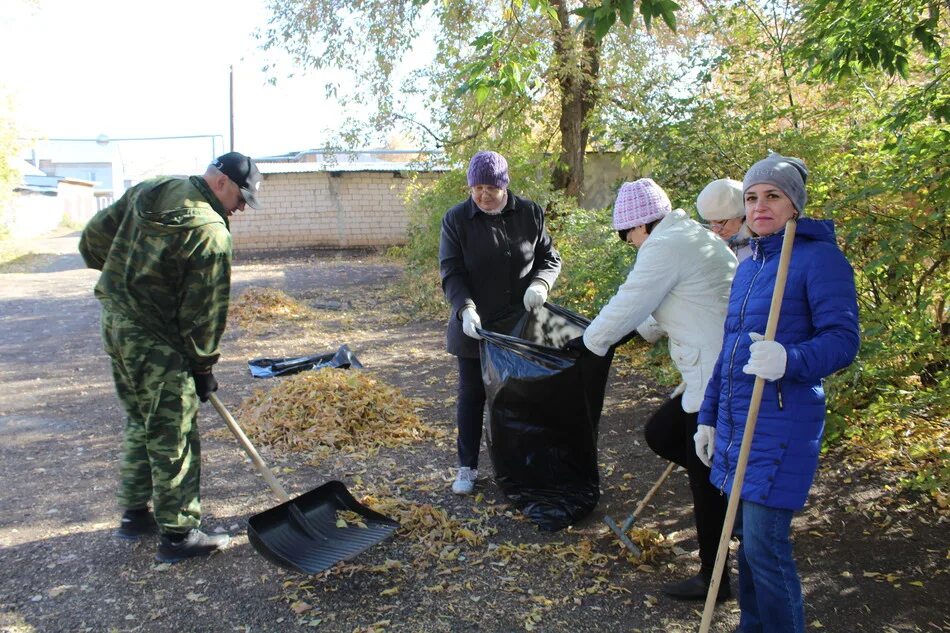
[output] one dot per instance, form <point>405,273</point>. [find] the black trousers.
<point>669,432</point>
<point>469,411</point>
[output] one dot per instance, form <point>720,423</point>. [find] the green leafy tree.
<point>502,72</point>
<point>9,146</point>
<point>875,140</point>
<point>852,38</point>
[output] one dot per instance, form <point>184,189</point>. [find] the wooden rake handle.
<point>650,494</point>
<point>249,449</point>
<point>621,531</point>
<point>778,293</point>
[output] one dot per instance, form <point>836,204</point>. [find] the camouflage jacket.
<point>164,250</point>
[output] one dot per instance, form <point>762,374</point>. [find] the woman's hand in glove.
<point>766,358</point>
<point>705,441</point>
<point>576,345</point>
<point>535,295</point>
<point>470,321</point>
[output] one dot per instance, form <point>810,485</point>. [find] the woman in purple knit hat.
<point>494,256</point>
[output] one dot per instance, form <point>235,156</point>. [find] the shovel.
<point>302,534</point>
<point>621,531</point>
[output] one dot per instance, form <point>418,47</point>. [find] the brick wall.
<point>352,209</point>
<point>325,209</point>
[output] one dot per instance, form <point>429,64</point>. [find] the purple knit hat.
<point>639,203</point>
<point>488,168</point>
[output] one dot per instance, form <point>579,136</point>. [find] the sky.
<point>129,68</point>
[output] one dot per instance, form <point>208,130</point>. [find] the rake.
<point>621,531</point>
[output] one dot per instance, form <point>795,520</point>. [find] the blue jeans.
<point>770,592</point>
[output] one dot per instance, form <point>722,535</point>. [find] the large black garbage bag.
<point>343,358</point>
<point>544,409</point>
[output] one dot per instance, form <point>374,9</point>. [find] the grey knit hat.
<point>488,168</point>
<point>785,172</point>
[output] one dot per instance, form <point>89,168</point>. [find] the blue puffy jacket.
<point>818,327</point>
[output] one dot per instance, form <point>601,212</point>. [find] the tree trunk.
<point>577,64</point>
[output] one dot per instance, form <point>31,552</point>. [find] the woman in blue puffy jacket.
<point>817,335</point>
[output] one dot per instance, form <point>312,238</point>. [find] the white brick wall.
<point>348,209</point>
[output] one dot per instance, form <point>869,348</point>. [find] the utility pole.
<point>231,102</point>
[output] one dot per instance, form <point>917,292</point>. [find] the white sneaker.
<point>465,481</point>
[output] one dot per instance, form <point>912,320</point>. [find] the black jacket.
<point>488,261</point>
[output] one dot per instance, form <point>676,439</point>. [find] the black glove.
<point>629,337</point>
<point>576,345</point>
<point>204,384</point>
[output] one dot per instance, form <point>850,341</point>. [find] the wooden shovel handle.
<point>249,449</point>
<point>778,293</point>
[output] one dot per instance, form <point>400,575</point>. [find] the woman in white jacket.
<point>681,278</point>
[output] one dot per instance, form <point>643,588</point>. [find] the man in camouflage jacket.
<point>164,250</point>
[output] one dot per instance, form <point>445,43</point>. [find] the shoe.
<point>136,523</point>
<point>194,543</point>
<point>465,481</point>
<point>695,588</point>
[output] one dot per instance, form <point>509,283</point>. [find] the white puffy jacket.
<point>681,277</point>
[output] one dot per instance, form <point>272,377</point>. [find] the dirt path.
<point>60,425</point>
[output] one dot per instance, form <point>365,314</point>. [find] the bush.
<point>594,261</point>
<point>426,203</point>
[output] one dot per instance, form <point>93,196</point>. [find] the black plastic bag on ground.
<point>343,358</point>
<point>544,409</point>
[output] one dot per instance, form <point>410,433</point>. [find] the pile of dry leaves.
<point>256,307</point>
<point>330,410</point>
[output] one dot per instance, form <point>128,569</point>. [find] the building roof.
<point>361,166</point>
<point>348,156</point>
<point>26,168</point>
<point>78,181</point>
<point>38,184</point>
<point>138,159</point>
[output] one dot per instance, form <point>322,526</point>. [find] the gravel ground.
<point>867,564</point>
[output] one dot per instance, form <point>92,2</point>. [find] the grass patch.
<point>24,262</point>
<point>10,250</point>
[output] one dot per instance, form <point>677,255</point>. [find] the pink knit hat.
<point>639,203</point>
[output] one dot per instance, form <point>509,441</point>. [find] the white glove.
<point>705,440</point>
<point>470,321</point>
<point>650,331</point>
<point>680,389</point>
<point>535,295</point>
<point>766,358</point>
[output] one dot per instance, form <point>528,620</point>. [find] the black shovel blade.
<point>302,534</point>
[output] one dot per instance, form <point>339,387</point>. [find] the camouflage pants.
<point>161,458</point>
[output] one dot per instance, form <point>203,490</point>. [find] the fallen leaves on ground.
<point>910,449</point>
<point>430,528</point>
<point>330,410</point>
<point>257,308</point>
<point>348,517</point>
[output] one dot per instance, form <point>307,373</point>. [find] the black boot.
<point>177,547</point>
<point>695,588</point>
<point>136,523</point>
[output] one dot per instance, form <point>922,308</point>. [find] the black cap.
<point>243,172</point>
